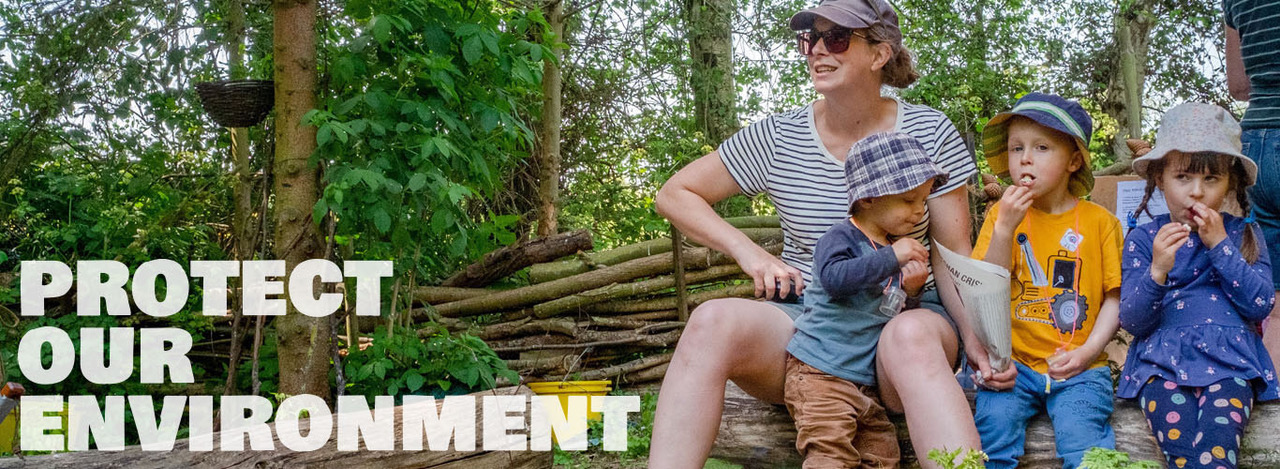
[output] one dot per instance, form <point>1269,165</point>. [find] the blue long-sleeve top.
<point>841,325</point>
<point>1200,326</point>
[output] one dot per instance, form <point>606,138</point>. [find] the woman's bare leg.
<point>736,339</point>
<point>914,367</point>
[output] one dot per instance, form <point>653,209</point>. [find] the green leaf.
<point>341,131</point>
<point>472,49</point>
<point>348,105</point>
<point>488,119</point>
<point>490,42</point>
<point>535,52</point>
<point>380,368</point>
<point>324,135</point>
<point>317,212</point>
<point>382,220</point>
<point>466,373</point>
<point>414,381</point>
<point>415,184</point>
<point>381,28</point>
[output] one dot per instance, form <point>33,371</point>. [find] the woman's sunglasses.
<point>836,39</point>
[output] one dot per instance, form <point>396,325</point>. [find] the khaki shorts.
<point>838,423</point>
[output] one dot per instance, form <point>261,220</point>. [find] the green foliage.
<point>439,364</point>
<point>1102,458</point>
<point>422,115</point>
<point>639,435</point>
<point>959,458</point>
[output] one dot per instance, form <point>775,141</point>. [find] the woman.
<point>852,48</point>
<point>1253,75</point>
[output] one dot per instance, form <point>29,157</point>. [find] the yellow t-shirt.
<point>1061,267</point>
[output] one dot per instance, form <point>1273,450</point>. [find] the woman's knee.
<point>915,334</point>
<point>729,325</point>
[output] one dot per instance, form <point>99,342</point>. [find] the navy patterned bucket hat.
<point>889,163</point>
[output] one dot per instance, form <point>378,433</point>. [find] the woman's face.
<point>854,67</point>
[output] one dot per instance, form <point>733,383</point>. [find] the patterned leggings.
<point>1198,427</point>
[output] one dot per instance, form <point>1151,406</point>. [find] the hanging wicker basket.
<point>237,103</point>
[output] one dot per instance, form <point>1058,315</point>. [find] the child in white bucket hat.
<point>1196,284</point>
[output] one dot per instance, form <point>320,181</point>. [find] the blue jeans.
<point>1080,409</point>
<point>1263,147</point>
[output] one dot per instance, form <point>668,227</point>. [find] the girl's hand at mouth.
<point>1210,225</point>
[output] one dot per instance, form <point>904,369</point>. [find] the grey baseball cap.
<point>852,14</point>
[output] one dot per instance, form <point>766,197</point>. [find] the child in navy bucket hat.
<point>1063,256</point>
<point>866,269</point>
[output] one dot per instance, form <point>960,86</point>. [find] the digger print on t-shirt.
<point>1061,266</point>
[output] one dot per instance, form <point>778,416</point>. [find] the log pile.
<point>597,315</point>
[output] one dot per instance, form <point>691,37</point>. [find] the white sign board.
<point>1129,195</point>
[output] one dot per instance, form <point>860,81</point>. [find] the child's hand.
<point>1013,208</point>
<point>1164,248</point>
<point>914,274</point>
<point>908,249</point>
<point>1210,222</point>
<point>1067,364</point>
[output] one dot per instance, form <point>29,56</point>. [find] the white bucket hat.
<point>1195,128</point>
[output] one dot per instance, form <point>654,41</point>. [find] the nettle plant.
<point>435,363</point>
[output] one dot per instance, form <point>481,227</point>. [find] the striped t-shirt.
<point>1258,22</point>
<point>783,157</point>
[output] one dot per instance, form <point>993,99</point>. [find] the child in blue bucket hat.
<point>1063,256</point>
<point>867,269</point>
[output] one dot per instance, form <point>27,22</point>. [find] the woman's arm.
<point>1237,80</point>
<point>686,201</point>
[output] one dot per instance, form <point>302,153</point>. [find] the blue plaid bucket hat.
<point>888,163</point>
<point>1049,110</point>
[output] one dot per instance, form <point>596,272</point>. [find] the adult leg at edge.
<point>914,365</point>
<point>1271,333</point>
<point>1263,147</point>
<point>736,339</point>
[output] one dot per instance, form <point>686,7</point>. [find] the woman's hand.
<point>914,275</point>
<point>985,376</point>
<point>1013,208</point>
<point>1210,222</point>
<point>771,275</point>
<point>908,249</point>
<point>1164,249</point>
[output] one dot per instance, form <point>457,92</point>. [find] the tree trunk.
<point>508,260</point>
<point>241,227</point>
<point>549,150</point>
<point>303,341</point>
<point>710,26</point>
<point>1123,99</point>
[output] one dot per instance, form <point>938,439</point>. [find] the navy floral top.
<point>1200,327</point>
